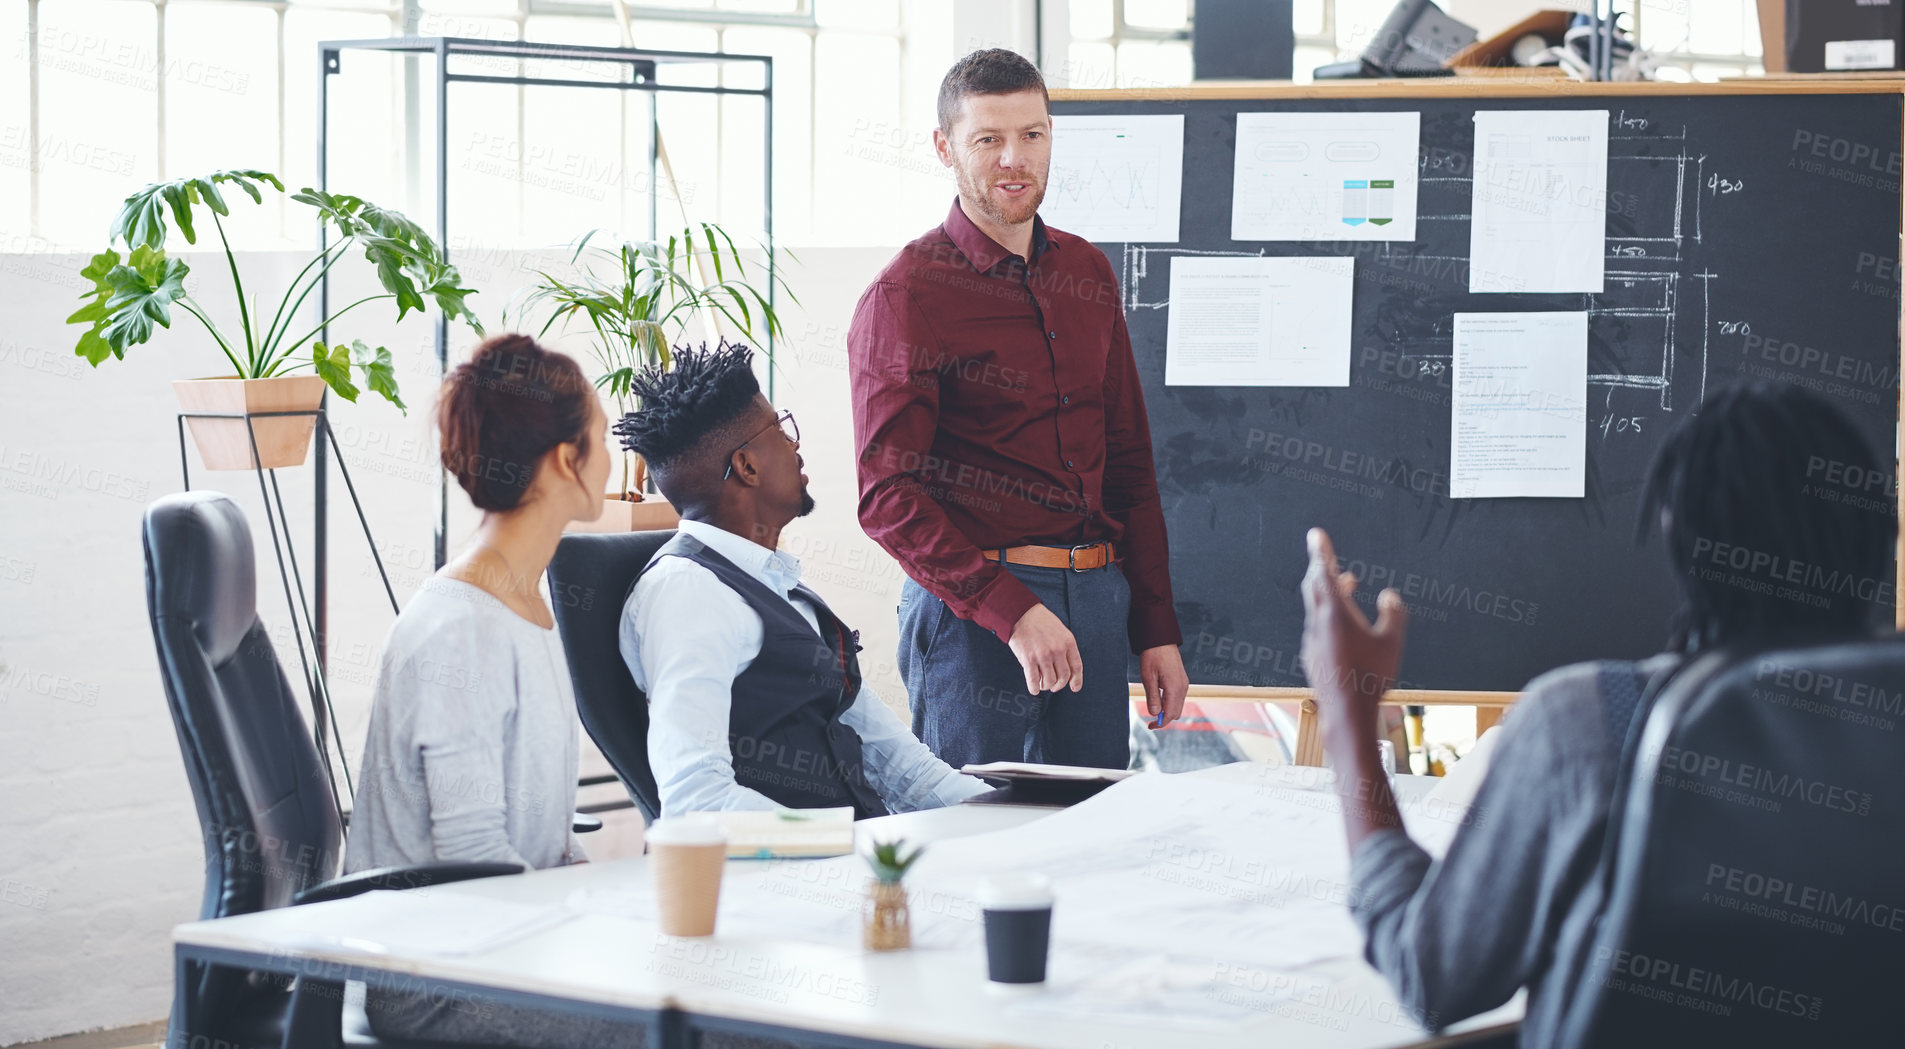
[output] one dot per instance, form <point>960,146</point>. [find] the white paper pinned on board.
<point>1325,176</point>
<point>1116,179</point>
<point>1256,321</point>
<point>1538,220</point>
<point>1519,419</point>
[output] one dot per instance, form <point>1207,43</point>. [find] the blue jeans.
<point>967,689</point>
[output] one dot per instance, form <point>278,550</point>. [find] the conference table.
<point>1128,972</point>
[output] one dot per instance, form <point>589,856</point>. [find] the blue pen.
<point>1160,721</point>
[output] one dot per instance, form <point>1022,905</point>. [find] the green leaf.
<point>380,374</point>
<point>142,292</point>
<point>93,314</point>
<point>141,219</point>
<point>333,365</point>
<point>449,294</point>
<point>889,866</point>
<point>179,195</point>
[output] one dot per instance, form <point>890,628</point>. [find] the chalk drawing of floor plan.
<point>1652,318</point>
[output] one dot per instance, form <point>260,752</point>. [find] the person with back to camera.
<point>472,747</point>
<point>1513,903</point>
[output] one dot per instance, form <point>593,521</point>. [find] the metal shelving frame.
<point>638,69</point>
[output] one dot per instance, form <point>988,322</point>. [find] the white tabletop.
<point>786,953</point>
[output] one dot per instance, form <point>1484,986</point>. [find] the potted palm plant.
<point>636,299</point>
<point>131,294</point>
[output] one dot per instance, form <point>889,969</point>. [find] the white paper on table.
<point>1116,178</point>
<point>1184,867</point>
<point>413,923</point>
<point>1325,176</point>
<point>1255,321</point>
<point>1519,418</point>
<point>1157,991</point>
<point>1538,221</point>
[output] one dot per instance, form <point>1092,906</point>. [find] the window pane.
<point>793,122</point>
<point>1306,17</point>
<point>1664,28</point>
<point>777,7</point>
<point>596,32</point>
<point>490,173</point>
<point>470,7</point>
<point>1719,29</point>
<point>222,75</point>
<point>98,119</point>
<point>1145,63</point>
<point>1157,14</point>
<point>463,24</point>
<point>876,180</point>
<point>16,135</point>
<point>1089,66</point>
<point>366,150</point>
<point>858,14</point>
<point>1091,19</point>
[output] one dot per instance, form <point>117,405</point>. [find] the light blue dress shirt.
<point>686,636</point>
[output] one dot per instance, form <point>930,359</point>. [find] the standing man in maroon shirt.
<point>1005,457</point>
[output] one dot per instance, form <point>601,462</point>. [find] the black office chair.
<point>589,580</point>
<point>1758,863</point>
<point>273,836</point>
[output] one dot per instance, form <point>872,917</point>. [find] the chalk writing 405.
<point>1611,424</point>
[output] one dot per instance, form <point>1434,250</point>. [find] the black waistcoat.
<point>784,727</point>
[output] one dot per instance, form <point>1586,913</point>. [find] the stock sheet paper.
<point>1254,321</point>
<point>1325,176</point>
<point>1116,179</point>
<point>1538,220</point>
<point>1519,420</point>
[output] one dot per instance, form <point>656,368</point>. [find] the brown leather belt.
<point>1077,558</point>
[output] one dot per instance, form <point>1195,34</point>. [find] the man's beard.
<point>977,193</point>
<point>806,503</point>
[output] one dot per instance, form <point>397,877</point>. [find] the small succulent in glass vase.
<point>889,923</point>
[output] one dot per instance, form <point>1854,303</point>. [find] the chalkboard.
<point>1748,235</point>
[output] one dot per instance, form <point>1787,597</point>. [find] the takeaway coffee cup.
<point>1018,915</point>
<point>687,856</point>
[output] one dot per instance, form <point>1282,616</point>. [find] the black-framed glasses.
<point>789,429</point>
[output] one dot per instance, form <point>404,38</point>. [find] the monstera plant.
<point>262,414</point>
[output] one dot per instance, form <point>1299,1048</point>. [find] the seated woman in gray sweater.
<point>1512,904</point>
<point>472,746</point>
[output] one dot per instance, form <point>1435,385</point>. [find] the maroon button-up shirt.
<point>995,404</point>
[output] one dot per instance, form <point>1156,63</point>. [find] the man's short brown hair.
<point>993,71</point>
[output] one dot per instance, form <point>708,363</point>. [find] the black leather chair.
<point>1756,881</point>
<point>273,836</point>
<point>589,580</point>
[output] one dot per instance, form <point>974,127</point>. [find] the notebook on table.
<point>766,834</point>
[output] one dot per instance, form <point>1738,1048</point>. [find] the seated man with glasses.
<point>754,690</point>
